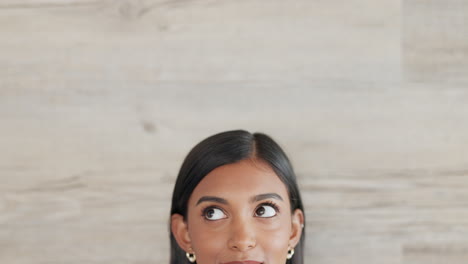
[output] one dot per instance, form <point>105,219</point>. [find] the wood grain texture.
<point>101,100</point>
<point>435,40</point>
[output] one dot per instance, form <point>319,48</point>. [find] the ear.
<point>179,229</point>
<point>296,228</point>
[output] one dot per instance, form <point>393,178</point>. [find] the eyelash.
<point>205,210</point>
<point>268,203</point>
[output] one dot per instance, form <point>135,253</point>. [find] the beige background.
<point>101,100</point>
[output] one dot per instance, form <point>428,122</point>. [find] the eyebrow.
<point>265,196</point>
<point>255,198</point>
<point>212,199</point>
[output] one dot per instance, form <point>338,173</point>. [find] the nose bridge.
<point>242,235</point>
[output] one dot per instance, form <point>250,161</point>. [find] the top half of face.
<point>239,189</point>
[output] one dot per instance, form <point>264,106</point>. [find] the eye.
<point>213,213</point>
<point>265,210</point>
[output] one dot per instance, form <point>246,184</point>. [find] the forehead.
<point>239,181</point>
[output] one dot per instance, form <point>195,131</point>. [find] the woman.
<point>236,201</point>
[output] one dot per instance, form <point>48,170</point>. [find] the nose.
<point>242,236</point>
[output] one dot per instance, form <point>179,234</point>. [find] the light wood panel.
<point>435,40</point>
<point>101,100</point>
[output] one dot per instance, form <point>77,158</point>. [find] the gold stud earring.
<point>290,253</point>
<point>191,256</point>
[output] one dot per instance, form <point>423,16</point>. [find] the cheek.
<point>208,242</point>
<point>274,242</point>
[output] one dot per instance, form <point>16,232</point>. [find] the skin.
<point>237,227</point>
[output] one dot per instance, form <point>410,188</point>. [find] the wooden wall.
<point>100,101</point>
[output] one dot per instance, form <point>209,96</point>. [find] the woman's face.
<point>239,213</point>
